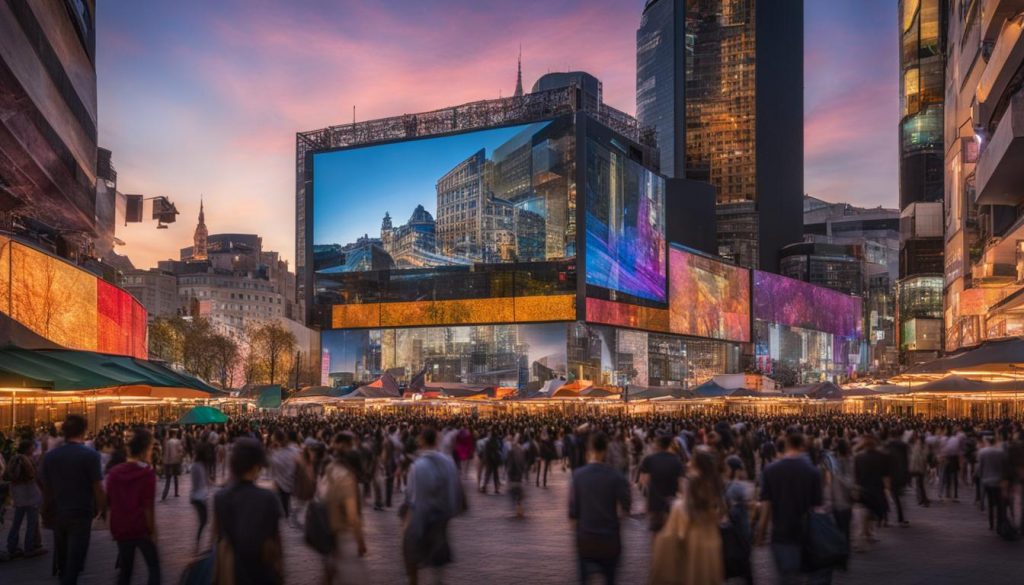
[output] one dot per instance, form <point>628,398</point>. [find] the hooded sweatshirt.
<point>131,490</point>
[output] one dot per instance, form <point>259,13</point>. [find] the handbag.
<point>824,545</point>
<point>318,528</point>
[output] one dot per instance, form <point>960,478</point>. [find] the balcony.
<point>1006,58</point>
<point>998,263</point>
<point>994,13</point>
<point>1000,170</point>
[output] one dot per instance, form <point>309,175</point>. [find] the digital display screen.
<point>486,197</point>
<point>67,305</point>
<point>492,355</point>
<point>625,224</point>
<point>708,298</point>
<point>794,303</point>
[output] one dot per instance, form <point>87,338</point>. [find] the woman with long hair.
<point>688,550</point>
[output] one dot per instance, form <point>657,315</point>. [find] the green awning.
<point>203,415</point>
<point>70,370</point>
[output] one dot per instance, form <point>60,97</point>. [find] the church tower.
<point>199,239</point>
<point>519,75</point>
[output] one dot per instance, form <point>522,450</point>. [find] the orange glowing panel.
<point>625,315</point>
<point>355,316</point>
<point>545,308</point>
<point>460,312</point>
<point>51,297</point>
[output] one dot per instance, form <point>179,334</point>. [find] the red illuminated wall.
<point>120,322</point>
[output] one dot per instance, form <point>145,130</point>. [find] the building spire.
<point>199,239</point>
<point>519,74</point>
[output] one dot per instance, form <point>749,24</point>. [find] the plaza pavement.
<point>947,543</point>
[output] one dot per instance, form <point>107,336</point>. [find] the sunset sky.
<point>204,98</point>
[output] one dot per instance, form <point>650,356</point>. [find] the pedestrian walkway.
<point>947,543</point>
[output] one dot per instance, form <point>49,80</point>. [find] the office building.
<point>984,174</point>
<point>922,98</point>
<point>48,138</point>
<point>539,225</point>
<point>740,126</point>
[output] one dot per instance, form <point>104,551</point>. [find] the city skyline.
<point>245,81</point>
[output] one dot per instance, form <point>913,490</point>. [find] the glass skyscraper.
<point>705,69</point>
<point>922,97</point>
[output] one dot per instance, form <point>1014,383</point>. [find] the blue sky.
<point>365,182</point>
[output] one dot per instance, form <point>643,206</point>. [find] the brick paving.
<point>948,543</point>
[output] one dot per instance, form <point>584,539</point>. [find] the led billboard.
<point>502,355</point>
<point>625,223</point>
<point>708,298</point>
<point>67,305</point>
<point>478,215</point>
<point>794,303</point>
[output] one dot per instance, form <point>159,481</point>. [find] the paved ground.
<point>947,543</point>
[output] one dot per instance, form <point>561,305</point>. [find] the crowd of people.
<point>713,487</point>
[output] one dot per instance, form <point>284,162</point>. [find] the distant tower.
<point>199,239</point>
<point>519,75</point>
<point>386,233</point>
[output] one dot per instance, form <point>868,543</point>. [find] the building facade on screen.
<point>984,176</point>
<point>523,245</point>
<point>922,102</point>
<point>722,83</point>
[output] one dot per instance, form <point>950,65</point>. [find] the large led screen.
<point>625,224</point>
<point>487,197</point>
<point>795,303</point>
<point>502,355</point>
<point>67,305</point>
<point>708,298</point>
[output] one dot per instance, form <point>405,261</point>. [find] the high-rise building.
<point>922,97</point>
<point>984,174</point>
<point>741,66</point>
<point>48,138</point>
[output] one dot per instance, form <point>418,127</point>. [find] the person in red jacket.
<point>131,493</point>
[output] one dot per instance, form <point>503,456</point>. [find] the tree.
<point>271,348</point>
<point>225,354</point>
<point>166,339</point>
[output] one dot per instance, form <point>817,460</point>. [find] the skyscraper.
<point>922,97</point>
<point>984,174</point>
<point>722,83</point>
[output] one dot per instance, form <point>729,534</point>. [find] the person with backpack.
<point>492,462</point>
<point>26,498</point>
<point>338,499</point>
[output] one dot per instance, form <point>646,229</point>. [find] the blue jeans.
<point>71,541</point>
<point>787,561</point>
<point>30,514</point>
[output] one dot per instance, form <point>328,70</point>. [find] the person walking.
<point>173,455</point>
<point>597,494</point>
<point>899,472</point>
<point>791,488</point>
<point>874,480</point>
<point>433,496</point>
<point>26,498</point>
<point>72,496</point>
<point>246,522</point>
<point>131,491</point>
<point>492,462</point>
<point>515,470</point>
<point>203,459</point>
<point>688,549</point>
<point>918,465</point>
<point>991,470</point>
<point>283,459</point>
<point>660,474</point>
<point>548,453</point>
<point>338,492</point>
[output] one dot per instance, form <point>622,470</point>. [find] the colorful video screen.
<point>493,355</point>
<point>794,303</point>
<point>68,306</point>
<point>492,196</point>
<point>708,298</point>
<point>625,223</point>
